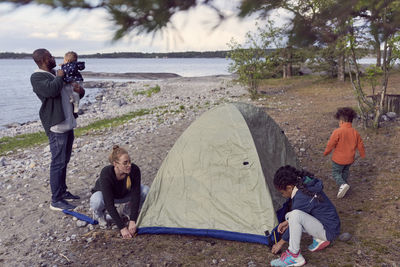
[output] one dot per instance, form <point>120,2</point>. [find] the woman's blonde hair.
<point>116,153</point>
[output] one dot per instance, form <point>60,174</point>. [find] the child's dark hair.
<point>288,175</point>
<point>346,114</point>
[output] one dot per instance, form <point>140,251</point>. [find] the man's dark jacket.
<point>48,88</point>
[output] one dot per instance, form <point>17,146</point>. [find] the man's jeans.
<point>97,201</point>
<point>340,173</point>
<point>60,148</point>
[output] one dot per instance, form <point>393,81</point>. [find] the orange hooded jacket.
<point>345,140</point>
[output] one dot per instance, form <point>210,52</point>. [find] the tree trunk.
<point>378,55</point>
<point>341,68</point>
<point>289,67</point>
<point>284,69</point>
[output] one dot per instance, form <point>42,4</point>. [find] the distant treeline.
<point>190,54</point>
<point>10,55</point>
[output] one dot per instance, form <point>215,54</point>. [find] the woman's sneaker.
<point>318,244</point>
<point>343,190</point>
<point>100,217</point>
<point>289,259</point>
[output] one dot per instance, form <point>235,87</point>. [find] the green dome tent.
<point>217,180</point>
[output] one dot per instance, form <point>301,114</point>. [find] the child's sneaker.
<point>343,190</point>
<point>318,244</point>
<point>289,259</point>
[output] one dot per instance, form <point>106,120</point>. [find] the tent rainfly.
<point>217,180</point>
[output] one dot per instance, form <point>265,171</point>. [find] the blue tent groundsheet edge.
<point>221,234</point>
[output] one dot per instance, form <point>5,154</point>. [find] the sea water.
<point>19,104</point>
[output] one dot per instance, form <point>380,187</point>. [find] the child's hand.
<point>283,226</point>
<point>60,72</point>
<point>278,246</point>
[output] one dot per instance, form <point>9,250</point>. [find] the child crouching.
<point>311,212</point>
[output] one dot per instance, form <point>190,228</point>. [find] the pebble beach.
<point>32,234</point>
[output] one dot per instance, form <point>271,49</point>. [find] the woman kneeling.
<point>118,183</point>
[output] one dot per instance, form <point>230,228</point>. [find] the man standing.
<point>56,115</point>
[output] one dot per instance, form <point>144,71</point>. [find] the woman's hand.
<point>132,227</point>
<point>125,233</point>
<point>283,226</point>
<point>278,246</point>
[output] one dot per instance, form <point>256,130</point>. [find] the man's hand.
<point>132,227</point>
<point>78,89</point>
<point>125,233</point>
<point>60,73</point>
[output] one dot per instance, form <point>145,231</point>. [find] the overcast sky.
<point>88,32</point>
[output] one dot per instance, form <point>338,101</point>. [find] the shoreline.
<point>115,98</point>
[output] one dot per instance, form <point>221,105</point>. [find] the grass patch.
<point>149,92</point>
<point>113,122</point>
<point>21,141</point>
<point>375,246</point>
<point>28,140</point>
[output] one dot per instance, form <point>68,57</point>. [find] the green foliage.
<point>255,60</point>
<point>324,60</point>
<point>372,74</point>
<point>149,92</point>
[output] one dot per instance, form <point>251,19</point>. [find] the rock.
<point>345,237</point>
<point>2,161</point>
<point>391,115</point>
<point>81,223</point>
<point>12,125</point>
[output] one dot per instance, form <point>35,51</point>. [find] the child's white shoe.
<point>343,190</point>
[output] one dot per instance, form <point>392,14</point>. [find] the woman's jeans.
<point>61,149</point>
<point>299,222</point>
<point>97,201</point>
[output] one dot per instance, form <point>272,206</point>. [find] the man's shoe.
<point>68,195</point>
<point>289,259</point>
<point>61,205</point>
<point>343,190</point>
<point>318,244</point>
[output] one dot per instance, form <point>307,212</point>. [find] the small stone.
<point>2,161</point>
<point>81,223</point>
<point>345,237</point>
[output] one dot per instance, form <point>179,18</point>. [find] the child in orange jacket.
<point>344,140</point>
